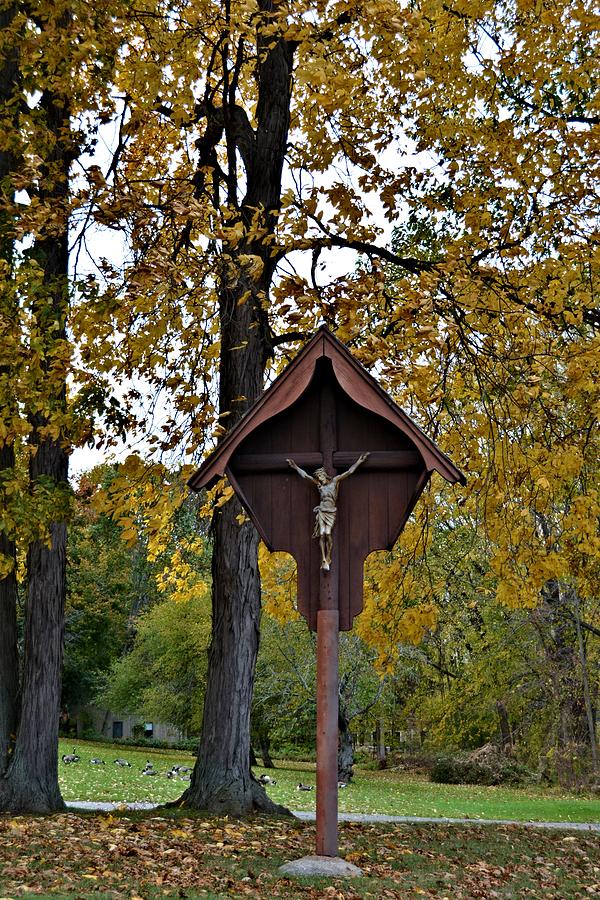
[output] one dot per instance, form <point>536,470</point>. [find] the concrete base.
<point>328,866</point>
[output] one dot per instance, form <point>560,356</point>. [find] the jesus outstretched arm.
<point>361,459</point>
<point>301,472</point>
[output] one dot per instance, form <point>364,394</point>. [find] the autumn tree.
<point>137,623</point>
<point>47,82</point>
<point>9,154</point>
<point>109,583</point>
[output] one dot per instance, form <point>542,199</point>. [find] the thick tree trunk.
<point>9,657</point>
<point>557,632</point>
<point>222,781</point>
<point>562,656</point>
<point>31,781</point>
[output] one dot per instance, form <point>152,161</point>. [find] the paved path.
<point>364,817</point>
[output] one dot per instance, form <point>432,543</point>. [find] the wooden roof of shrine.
<point>354,380</point>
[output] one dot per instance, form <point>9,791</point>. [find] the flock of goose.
<point>178,771</point>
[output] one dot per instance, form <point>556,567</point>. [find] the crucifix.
<point>326,414</point>
<point>328,487</point>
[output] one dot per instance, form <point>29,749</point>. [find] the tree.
<point>9,669</point>
<point>360,689</point>
<point>156,604</point>
<point>30,781</point>
<point>48,81</point>
<point>162,677</point>
<point>109,583</point>
<point>236,95</point>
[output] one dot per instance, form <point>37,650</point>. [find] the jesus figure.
<point>328,488</point>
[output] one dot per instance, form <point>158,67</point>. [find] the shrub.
<point>490,770</point>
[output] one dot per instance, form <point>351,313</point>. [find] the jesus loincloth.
<point>325,520</point>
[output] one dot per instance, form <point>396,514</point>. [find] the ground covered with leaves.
<point>177,854</point>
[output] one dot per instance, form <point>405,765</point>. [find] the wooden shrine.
<point>325,411</point>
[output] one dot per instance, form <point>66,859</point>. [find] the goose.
<point>70,757</point>
<point>266,779</point>
<point>304,787</point>
<point>97,762</point>
<point>122,762</point>
<point>342,784</point>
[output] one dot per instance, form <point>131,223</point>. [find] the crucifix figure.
<point>328,488</point>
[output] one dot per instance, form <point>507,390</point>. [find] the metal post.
<point>327,715</point>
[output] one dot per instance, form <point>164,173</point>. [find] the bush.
<point>490,769</point>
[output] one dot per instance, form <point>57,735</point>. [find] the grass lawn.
<point>388,792</point>
<point>178,855</point>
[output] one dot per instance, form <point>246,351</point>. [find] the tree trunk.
<point>345,749</point>
<point>9,655</point>
<point>222,781</point>
<point>30,783</point>
<point>505,730</point>
<point>380,750</point>
<point>556,627</point>
<point>562,657</point>
<point>265,749</point>
<point>589,709</point>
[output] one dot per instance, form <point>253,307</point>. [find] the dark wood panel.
<point>379,460</point>
<point>378,510</point>
<point>354,544</point>
<point>275,462</point>
<point>398,491</point>
<point>359,429</point>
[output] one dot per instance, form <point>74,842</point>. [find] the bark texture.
<point>222,781</point>
<point>31,781</point>
<point>9,657</point>
<point>557,633</point>
<point>265,749</point>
